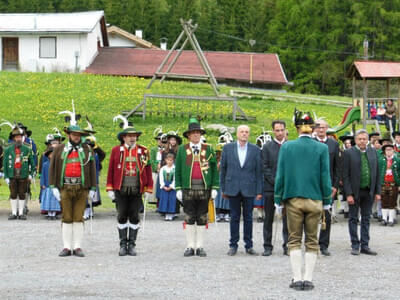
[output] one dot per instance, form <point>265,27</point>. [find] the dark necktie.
<point>195,150</point>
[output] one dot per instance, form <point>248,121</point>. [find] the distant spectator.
<point>391,111</point>
<point>373,111</point>
<point>381,111</point>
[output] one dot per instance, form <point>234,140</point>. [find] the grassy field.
<point>36,98</point>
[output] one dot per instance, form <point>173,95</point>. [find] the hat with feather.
<point>15,129</point>
<point>72,118</point>
<point>157,133</point>
<point>25,129</point>
<point>127,127</point>
<point>174,134</point>
<point>57,134</point>
<point>194,125</point>
<point>303,121</point>
<point>89,129</point>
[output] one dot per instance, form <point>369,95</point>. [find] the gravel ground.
<point>31,269</point>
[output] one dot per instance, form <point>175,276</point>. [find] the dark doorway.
<point>10,53</point>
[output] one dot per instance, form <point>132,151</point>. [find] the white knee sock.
<point>77,234</point>
<point>21,205</point>
<point>392,215</point>
<point>296,259</point>
<point>310,258</point>
<point>190,231</point>
<point>200,230</point>
<point>14,206</point>
<point>67,235</point>
<point>385,214</point>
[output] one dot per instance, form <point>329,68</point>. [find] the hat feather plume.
<point>124,120</point>
<point>5,122</point>
<point>72,117</point>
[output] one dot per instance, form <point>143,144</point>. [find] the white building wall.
<point>1,54</point>
<point>91,45</point>
<point>118,41</point>
<point>68,45</point>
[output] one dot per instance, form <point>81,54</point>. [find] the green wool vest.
<point>365,181</point>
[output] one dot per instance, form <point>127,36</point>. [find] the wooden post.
<point>166,59</point>
<point>201,57</point>
<point>234,110</point>
<point>388,88</point>
<point>364,106</point>
<point>354,90</point>
<point>144,108</point>
<point>175,59</point>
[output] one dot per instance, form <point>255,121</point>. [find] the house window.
<point>47,47</point>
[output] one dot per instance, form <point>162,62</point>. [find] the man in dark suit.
<point>361,186</point>
<point>269,156</point>
<point>321,127</point>
<point>241,181</point>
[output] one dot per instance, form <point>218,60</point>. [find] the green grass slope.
<point>36,98</point>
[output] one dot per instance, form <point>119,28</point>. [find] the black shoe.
<point>251,251</point>
<point>78,252</point>
<point>22,217</point>
<point>123,251</point>
<point>285,252</point>
<point>325,252</point>
<point>131,250</point>
<point>298,285</point>
<point>383,223</point>
<point>123,241</point>
<point>379,218</point>
<point>65,252</point>
<point>232,251</point>
<point>375,215</point>
<point>200,252</point>
<point>132,241</point>
<point>368,251</point>
<point>188,252</point>
<point>307,285</point>
<point>12,217</point>
<point>267,252</point>
<point>355,252</point>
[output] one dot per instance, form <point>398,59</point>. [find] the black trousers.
<point>18,188</point>
<point>269,209</point>
<point>195,206</point>
<point>325,235</point>
<point>364,204</point>
<point>128,207</point>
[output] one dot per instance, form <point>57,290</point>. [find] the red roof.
<point>266,68</point>
<point>375,69</point>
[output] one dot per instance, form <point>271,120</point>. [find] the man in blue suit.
<point>240,182</point>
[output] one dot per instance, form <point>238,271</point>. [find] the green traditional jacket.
<point>382,161</point>
<point>303,171</point>
<point>153,159</point>
<point>27,161</point>
<point>184,165</point>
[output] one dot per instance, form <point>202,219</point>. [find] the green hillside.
<point>36,98</point>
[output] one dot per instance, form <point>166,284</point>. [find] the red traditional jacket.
<point>117,164</point>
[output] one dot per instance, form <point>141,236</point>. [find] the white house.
<point>51,42</point>
<point>121,38</point>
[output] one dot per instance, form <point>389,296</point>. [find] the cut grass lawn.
<point>36,98</point>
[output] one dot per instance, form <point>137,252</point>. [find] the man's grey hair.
<point>243,126</point>
<point>361,131</point>
<point>321,120</point>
